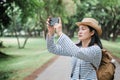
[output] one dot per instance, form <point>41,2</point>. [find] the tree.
<point>109,18</point>
<point>81,10</point>
<point>54,10</point>
<point>38,10</point>
<point>106,12</point>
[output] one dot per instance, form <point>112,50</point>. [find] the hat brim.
<point>96,27</point>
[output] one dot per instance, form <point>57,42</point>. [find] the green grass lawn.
<point>113,47</point>
<point>22,62</point>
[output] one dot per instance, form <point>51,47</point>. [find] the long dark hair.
<point>94,40</point>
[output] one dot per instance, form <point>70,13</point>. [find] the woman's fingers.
<point>60,22</point>
<point>57,27</point>
<point>47,22</point>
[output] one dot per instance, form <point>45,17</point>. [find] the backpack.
<point>107,68</point>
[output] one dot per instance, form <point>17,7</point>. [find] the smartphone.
<point>53,21</point>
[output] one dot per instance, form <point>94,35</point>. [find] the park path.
<point>60,70</point>
<point>117,72</point>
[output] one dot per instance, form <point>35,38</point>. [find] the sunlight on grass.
<point>23,62</point>
<point>33,44</point>
<point>113,47</point>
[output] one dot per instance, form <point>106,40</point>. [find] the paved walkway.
<point>60,70</point>
<point>117,72</point>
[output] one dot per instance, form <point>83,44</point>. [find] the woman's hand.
<point>51,29</point>
<point>57,27</point>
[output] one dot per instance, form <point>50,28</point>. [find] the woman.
<point>85,54</point>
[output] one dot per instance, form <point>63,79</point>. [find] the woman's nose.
<point>79,32</point>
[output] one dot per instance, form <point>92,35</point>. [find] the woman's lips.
<point>80,35</point>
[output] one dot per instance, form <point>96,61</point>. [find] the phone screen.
<point>53,21</point>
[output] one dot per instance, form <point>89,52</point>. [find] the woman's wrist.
<point>50,34</point>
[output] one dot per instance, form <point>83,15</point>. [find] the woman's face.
<point>84,33</point>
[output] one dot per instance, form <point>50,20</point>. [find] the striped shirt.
<point>82,57</point>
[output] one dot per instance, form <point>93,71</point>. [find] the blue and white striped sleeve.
<point>55,48</point>
<point>66,47</point>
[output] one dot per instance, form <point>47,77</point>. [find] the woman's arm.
<point>66,47</point>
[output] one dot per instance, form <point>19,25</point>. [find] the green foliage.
<point>4,18</point>
<point>28,8</point>
<point>106,12</point>
<point>20,12</point>
<point>31,14</point>
<point>109,2</point>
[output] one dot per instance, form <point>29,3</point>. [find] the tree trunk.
<point>1,44</point>
<point>115,30</point>
<point>1,33</point>
<point>18,41</point>
<point>26,39</point>
<point>71,33</point>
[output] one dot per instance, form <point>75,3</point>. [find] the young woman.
<point>85,54</point>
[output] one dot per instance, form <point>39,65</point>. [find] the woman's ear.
<point>92,32</point>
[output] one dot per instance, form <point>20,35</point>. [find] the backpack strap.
<point>94,67</point>
<point>73,69</point>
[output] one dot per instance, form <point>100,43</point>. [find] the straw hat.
<point>92,23</point>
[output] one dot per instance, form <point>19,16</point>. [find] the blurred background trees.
<point>106,12</point>
<point>27,18</point>
<point>24,22</point>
